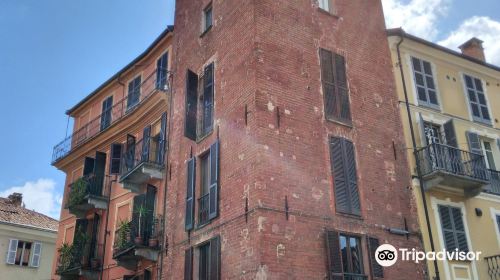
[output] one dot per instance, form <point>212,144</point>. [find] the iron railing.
<point>203,203</point>
<point>493,263</point>
<point>88,185</point>
<point>82,254</point>
<point>439,157</point>
<point>119,110</point>
<point>144,151</point>
<point>125,235</point>
<point>494,186</point>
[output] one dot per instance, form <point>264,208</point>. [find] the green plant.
<point>141,211</point>
<point>121,234</point>
<point>65,256</point>
<point>77,193</point>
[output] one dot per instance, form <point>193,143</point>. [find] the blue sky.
<point>55,52</point>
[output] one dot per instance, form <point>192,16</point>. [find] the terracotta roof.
<point>13,214</point>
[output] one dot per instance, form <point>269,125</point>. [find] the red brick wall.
<point>266,56</point>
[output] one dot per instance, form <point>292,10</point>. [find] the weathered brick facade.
<point>274,139</point>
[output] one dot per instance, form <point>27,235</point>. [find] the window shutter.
<point>421,124</point>
<point>116,157</point>
<point>449,134</point>
<point>498,143</point>
<point>191,175</point>
<point>350,163</point>
<point>106,112</point>
<point>498,223</point>
<point>95,236</point>
<point>99,170</point>
<point>163,139</point>
<point>208,98</point>
<point>149,203</point>
<point>343,105</point>
<point>161,71</point>
<point>339,175</point>
<point>130,152</point>
<point>453,228</point>
<point>88,166</point>
<point>377,270</point>
<point>327,78</point>
<point>214,181</point>
<point>188,264</point>
<point>476,165</point>
<point>458,223</point>
<point>215,258</point>
<point>447,225</point>
<point>333,255</point>
<point>146,140</point>
<point>191,105</point>
<point>80,231</point>
<point>37,252</point>
<point>11,254</point>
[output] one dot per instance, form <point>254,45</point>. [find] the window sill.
<point>435,108</point>
<point>206,31</point>
<point>205,136</point>
<point>349,215</point>
<point>489,124</point>
<point>346,124</point>
<point>328,13</point>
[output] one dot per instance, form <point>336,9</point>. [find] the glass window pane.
<point>468,82</point>
<point>421,94</point>
<point>430,82</point>
<point>343,249</point>
<point>416,64</point>
<point>356,256</point>
<point>475,110</point>
<point>427,68</point>
<point>484,111</point>
<point>433,97</point>
<point>472,96</point>
<point>481,98</point>
<point>479,85</point>
<point>419,79</point>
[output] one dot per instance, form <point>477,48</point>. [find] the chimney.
<point>473,48</point>
<point>16,199</point>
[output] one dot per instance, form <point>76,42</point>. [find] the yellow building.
<point>27,241</point>
<point>450,105</point>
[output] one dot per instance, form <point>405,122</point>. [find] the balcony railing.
<point>494,186</point>
<point>86,193</point>
<point>203,203</point>
<point>80,256</point>
<point>119,110</point>
<point>442,164</point>
<point>493,263</point>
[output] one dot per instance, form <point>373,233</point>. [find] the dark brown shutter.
<point>188,264</point>
<point>208,98</point>
<point>94,237</point>
<point>215,258</point>
<point>116,156</point>
<point>449,134</point>
<point>97,183</point>
<point>88,166</point>
<point>149,203</point>
<point>340,180</point>
<point>146,141</point>
<point>350,162</point>
<point>163,139</point>
<point>191,105</point>
<point>130,152</point>
<point>343,104</point>
<point>214,181</point>
<point>333,256</point>
<point>376,269</point>
<point>190,196</point>
<point>327,79</point>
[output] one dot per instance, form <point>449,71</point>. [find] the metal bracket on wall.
<point>286,207</point>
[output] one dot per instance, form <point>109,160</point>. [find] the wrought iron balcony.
<point>141,163</point>
<point>203,203</point>
<point>494,186</point>
<point>119,110</point>
<point>87,193</point>
<point>493,263</point>
<point>80,259</point>
<point>128,249</point>
<point>462,171</point>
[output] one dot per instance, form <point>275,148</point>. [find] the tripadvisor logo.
<point>387,255</point>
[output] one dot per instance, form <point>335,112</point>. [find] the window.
<point>477,100</point>
<point>498,221</point>
<point>116,157</point>
<point>334,81</point>
<point>433,133</point>
<point>134,92</point>
<point>207,18</point>
<point>23,253</point>
<point>453,228</point>
<point>345,257</point>
<point>343,167</point>
<point>205,185</point>
<point>324,4</point>
<point>424,82</point>
<point>107,106</point>
<point>199,103</point>
<point>207,256</point>
<point>161,72</point>
<point>488,154</point>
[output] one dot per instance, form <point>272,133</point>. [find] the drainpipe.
<point>101,276</point>
<point>419,172</point>
<point>167,173</point>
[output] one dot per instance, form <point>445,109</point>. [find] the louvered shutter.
<point>208,98</point>
<point>139,200</point>
<point>327,78</point>
<point>37,252</point>
<point>190,182</point>
<point>188,264</point>
<point>106,112</point>
<point>12,251</point>
<point>498,223</point>
<point>130,152</point>
<point>161,71</point>
<point>146,143</point>
<point>116,156</point>
<point>453,228</point>
<point>94,236</point>
<point>79,241</point>
<point>340,180</point>
<point>99,171</point>
<point>191,105</point>
<point>450,135</point>
<point>214,181</point>
<point>447,225</point>
<point>455,159</point>
<point>461,236</point>
<point>376,269</point>
<point>215,258</point>
<point>423,136</point>
<point>498,143</point>
<point>88,166</point>
<point>477,164</point>
<point>350,163</point>
<point>343,104</point>
<point>163,140</point>
<point>150,206</point>
<point>333,256</point>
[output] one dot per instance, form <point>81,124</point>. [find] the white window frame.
<point>469,108</point>
<point>324,5</point>
<point>494,213</point>
<point>415,87</point>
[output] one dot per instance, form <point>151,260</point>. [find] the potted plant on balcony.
<point>95,263</point>
<point>77,193</point>
<point>141,211</point>
<point>153,239</point>
<point>65,253</point>
<point>122,236</point>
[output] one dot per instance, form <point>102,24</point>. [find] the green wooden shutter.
<point>350,163</point>
<point>208,98</point>
<point>190,196</point>
<point>146,143</point>
<point>97,185</point>
<point>94,237</point>
<point>215,258</point>
<point>149,203</point>
<point>214,181</point>
<point>163,140</point>
<point>333,255</point>
<point>191,105</point>
<point>116,157</point>
<point>130,153</point>
<point>88,166</point>
<point>376,269</point>
<point>188,264</point>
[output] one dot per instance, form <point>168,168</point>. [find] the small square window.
<point>207,18</point>
<point>324,5</point>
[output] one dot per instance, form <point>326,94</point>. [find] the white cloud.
<point>483,28</point>
<point>417,17</point>
<point>40,196</point>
